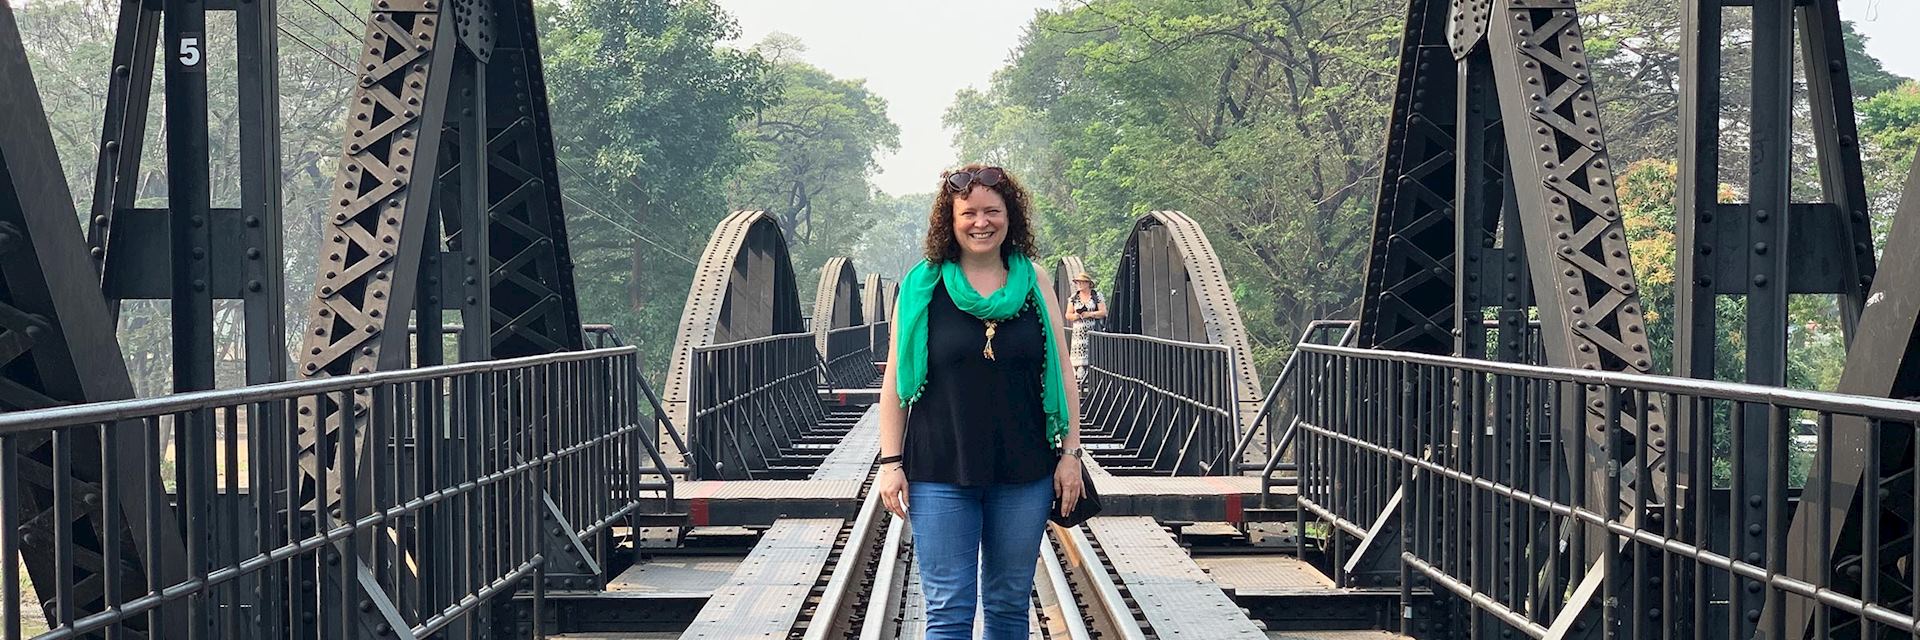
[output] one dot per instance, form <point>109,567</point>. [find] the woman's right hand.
<point>892,485</point>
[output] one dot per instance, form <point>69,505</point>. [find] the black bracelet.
<point>887,459</point>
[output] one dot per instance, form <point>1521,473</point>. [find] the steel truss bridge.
<point>1482,451</point>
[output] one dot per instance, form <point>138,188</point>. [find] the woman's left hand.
<point>1066,483</point>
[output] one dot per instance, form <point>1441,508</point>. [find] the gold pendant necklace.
<point>991,325</point>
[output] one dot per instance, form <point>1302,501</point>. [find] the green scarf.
<point>910,328</point>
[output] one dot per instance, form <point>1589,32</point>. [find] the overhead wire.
<point>343,7</point>
<point>303,43</point>
<point>335,20</point>
<point>629,230</point>
<point>636,185</point>
<point>283,19</point>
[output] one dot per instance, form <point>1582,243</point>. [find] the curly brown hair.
<point>940,245</point>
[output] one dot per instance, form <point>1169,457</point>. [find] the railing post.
<point>539,441</point>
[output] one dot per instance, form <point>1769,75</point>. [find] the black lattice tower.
<point>451,97</point>
<point>190,252</point>
<point>57,347</point>
<point>1497,197</point>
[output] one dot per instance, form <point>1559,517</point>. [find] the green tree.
<point>813,149</point>
<point>645,105</point>
<point>1261,120</point>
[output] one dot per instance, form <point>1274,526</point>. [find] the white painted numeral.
<point>190,51</point>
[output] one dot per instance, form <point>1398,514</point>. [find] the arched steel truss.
<point>1170,285</point>
<point>876,297</point>
<point>842,333</point>
<point>743,289</point>
<point>1171,397</point>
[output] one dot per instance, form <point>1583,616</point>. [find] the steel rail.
<point>1056,595</point>
<point>843,585</point>
<point>1080,556</point>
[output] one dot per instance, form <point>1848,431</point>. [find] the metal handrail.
<point>748,341</point>
<point>1266,403</point>
<point>1419,444</point>
<point>131,409</point>
<point>1136,384</point>
<point>1826,401</point>
<point>508,443</point>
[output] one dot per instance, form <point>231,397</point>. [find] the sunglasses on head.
<point>962,181</point>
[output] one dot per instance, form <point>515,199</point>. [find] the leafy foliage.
<point>645,108</point>
<point>1258,119</point>
<point>813,151</point>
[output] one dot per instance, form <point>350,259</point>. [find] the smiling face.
<point>979,222</point>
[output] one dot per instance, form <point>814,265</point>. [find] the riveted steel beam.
<point>743,288</point>
<point>1408,302</point>
<point>57,347</point>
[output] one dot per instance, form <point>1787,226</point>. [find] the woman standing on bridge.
<point>1085,311</point>
<point>993,431</point>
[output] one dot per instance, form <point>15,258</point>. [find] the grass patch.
<point>32,623</point>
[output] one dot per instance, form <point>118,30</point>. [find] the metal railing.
<point>601,336</point>
<point>750,402</point>
<point>880,341</point>
<point>1512,487</point>
<point>453,482</point>
<point>849,357</point>
<point>1274,423</point>
<point>1170,406</point>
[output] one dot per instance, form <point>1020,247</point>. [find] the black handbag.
<point>1087,507</point>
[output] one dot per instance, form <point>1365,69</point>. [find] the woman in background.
<point>1084,313</point>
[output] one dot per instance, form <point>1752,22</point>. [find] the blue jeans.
<point>984,538</point>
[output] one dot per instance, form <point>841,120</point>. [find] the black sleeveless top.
<point>979,421</point>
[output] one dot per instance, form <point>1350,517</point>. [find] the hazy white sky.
<point>917,53</point>
<point>913,53</point>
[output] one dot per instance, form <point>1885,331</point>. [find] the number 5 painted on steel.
<point>190,51</point>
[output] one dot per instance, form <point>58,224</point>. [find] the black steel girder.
<point>1827,525</point>
<point>57,347</point>
<point>1497,194</point>
<point>451,94</point>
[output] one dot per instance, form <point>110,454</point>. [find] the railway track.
<point>870,589</point>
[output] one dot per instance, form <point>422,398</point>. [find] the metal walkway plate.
<point>675,576</point>
<point>853,458</point>
<point>1267,575</point>
<point>763,597</point>
<point>1177,597</point>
